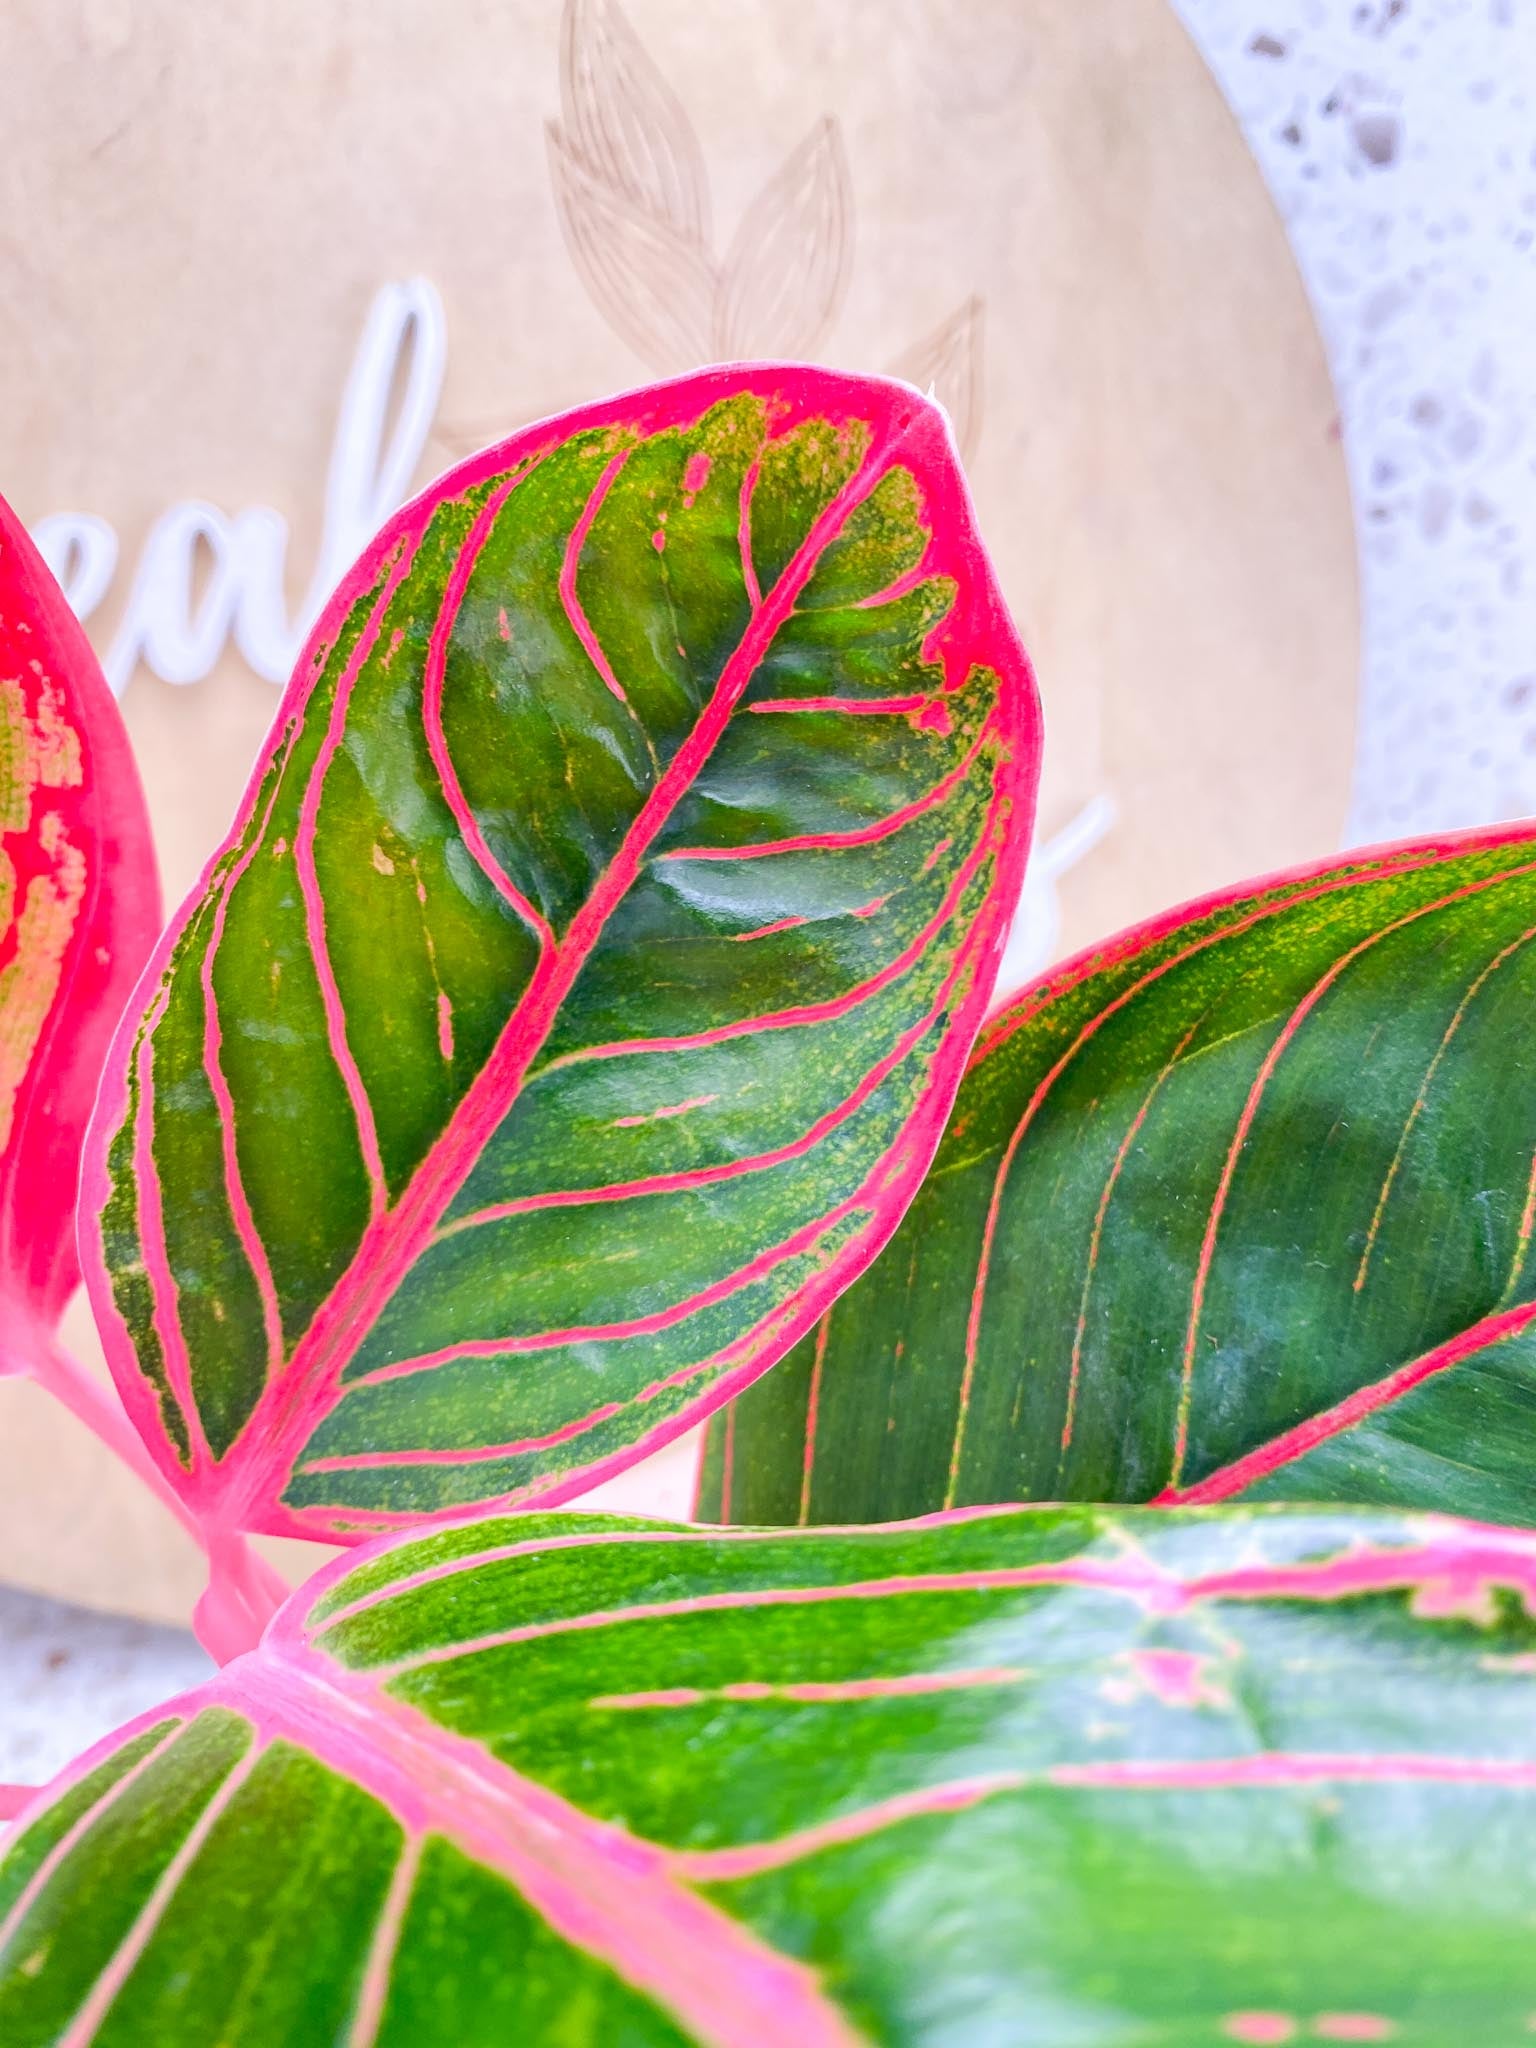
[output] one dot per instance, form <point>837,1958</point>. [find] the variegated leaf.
<point>1030,1777</point>
<point>79,911</point>
<point>579,996</point>
<point>1240,1202</point>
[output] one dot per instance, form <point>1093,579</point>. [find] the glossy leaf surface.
<point>1240,1203</point>
<point>582,990</point>
<point>79,911</point>
<point>1023,1776</point>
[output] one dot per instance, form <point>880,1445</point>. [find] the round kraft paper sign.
<point>273,265</point>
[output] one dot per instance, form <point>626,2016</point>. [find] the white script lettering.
<point>180,632</point>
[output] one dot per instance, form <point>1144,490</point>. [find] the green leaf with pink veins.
<point>1027,1776</point>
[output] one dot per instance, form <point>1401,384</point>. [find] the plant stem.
<point>237,1602</point>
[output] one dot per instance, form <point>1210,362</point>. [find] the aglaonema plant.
<point>570,1017</point>
<point>1241,1203</point>
<point>580,994</point>
<point>1040,1777</point>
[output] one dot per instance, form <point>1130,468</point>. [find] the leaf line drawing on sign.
<point>633,197</point>
<point>632,192</point>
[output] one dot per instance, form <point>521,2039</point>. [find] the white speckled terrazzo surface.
<point>1399,140</point>
<point>67,1676</point>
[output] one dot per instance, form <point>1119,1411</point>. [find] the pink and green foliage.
<point>79,912</point>
<point>580,995</point>
<point>1239,1202</point>
<point>568,1020</point>
<point>1035,1776</point>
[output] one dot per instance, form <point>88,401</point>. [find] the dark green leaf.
<point>1240,1202</point>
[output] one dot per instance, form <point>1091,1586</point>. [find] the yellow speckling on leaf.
<point>55,742</point>
<point>40,750</point>
<point>15,746</point>
<point>29,982</point>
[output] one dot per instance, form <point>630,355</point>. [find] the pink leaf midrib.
<point>1259,1770</point>
<point>688,1178</point>
<point>1462,1561</point>
<point>1279,1452</point>
<point>291,1408</point>
<point>627,1901</point>
<point>870,1195</point>
<point>607,1892</point>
